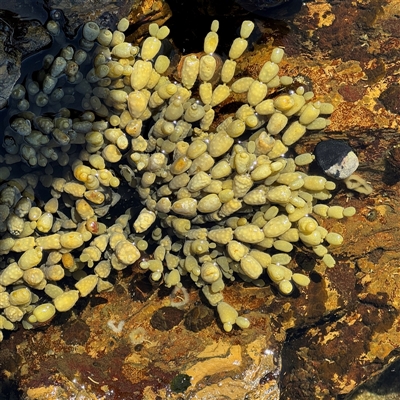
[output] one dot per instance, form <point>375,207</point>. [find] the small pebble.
<point>166,318</point>
<point>198,318</point>
<point>336,158</point>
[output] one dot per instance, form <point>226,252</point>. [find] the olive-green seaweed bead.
<point>321,209</point>
<point>87,284</point>
<point>304,159</point>
<point>276,272</point>
<point>104,37</point>
<point>246,29</point>
<point>123,24</point>
<point>328,260</point>
<point>334,238</point>
<point>349,211</point>
<point>163,32</point>
<point>272,212</point>
<point>53,290</point>
<point>161,64</point>
<point>335,212</point>
<point>285,287</point>
<point>172,278</point>
<point>20,296</point>
<point>53,27</point>
<point>242,322</point>
<point>90,31</point>
<point>320,250</point>
<point>66,300</point>
<point>280,259</point>
<point>277,226</point>
<point>44,312</point>
<point>301,279</point>
<point>283,245</point>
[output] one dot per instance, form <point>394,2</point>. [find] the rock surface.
<point>19,38</point>
<point>321,343</point>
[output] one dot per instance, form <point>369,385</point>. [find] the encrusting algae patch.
<point>218,201</point>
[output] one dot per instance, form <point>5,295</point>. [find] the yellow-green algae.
<point>219,202</point>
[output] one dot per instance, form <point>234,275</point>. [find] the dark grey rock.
<point>336,158</point>
<point>18,38</point>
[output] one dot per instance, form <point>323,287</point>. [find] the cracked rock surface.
<point>324,342</point>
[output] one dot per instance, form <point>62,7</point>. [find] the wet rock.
<point>106,13</point>
<point>166,318</point>
<point>77,332</point>
<point>18,38</point>
<point>329,306</point>
<point>383,386</point>
<point>35,37</point>
<point>352,93</point>
<point>9,73</point>
<point>22,37</point>
<point>340,354</point>
<point>390,98</point>
<point>392,165</point>
<point>271,8</point>
<point>198,318</point>
<point>180,383</point>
